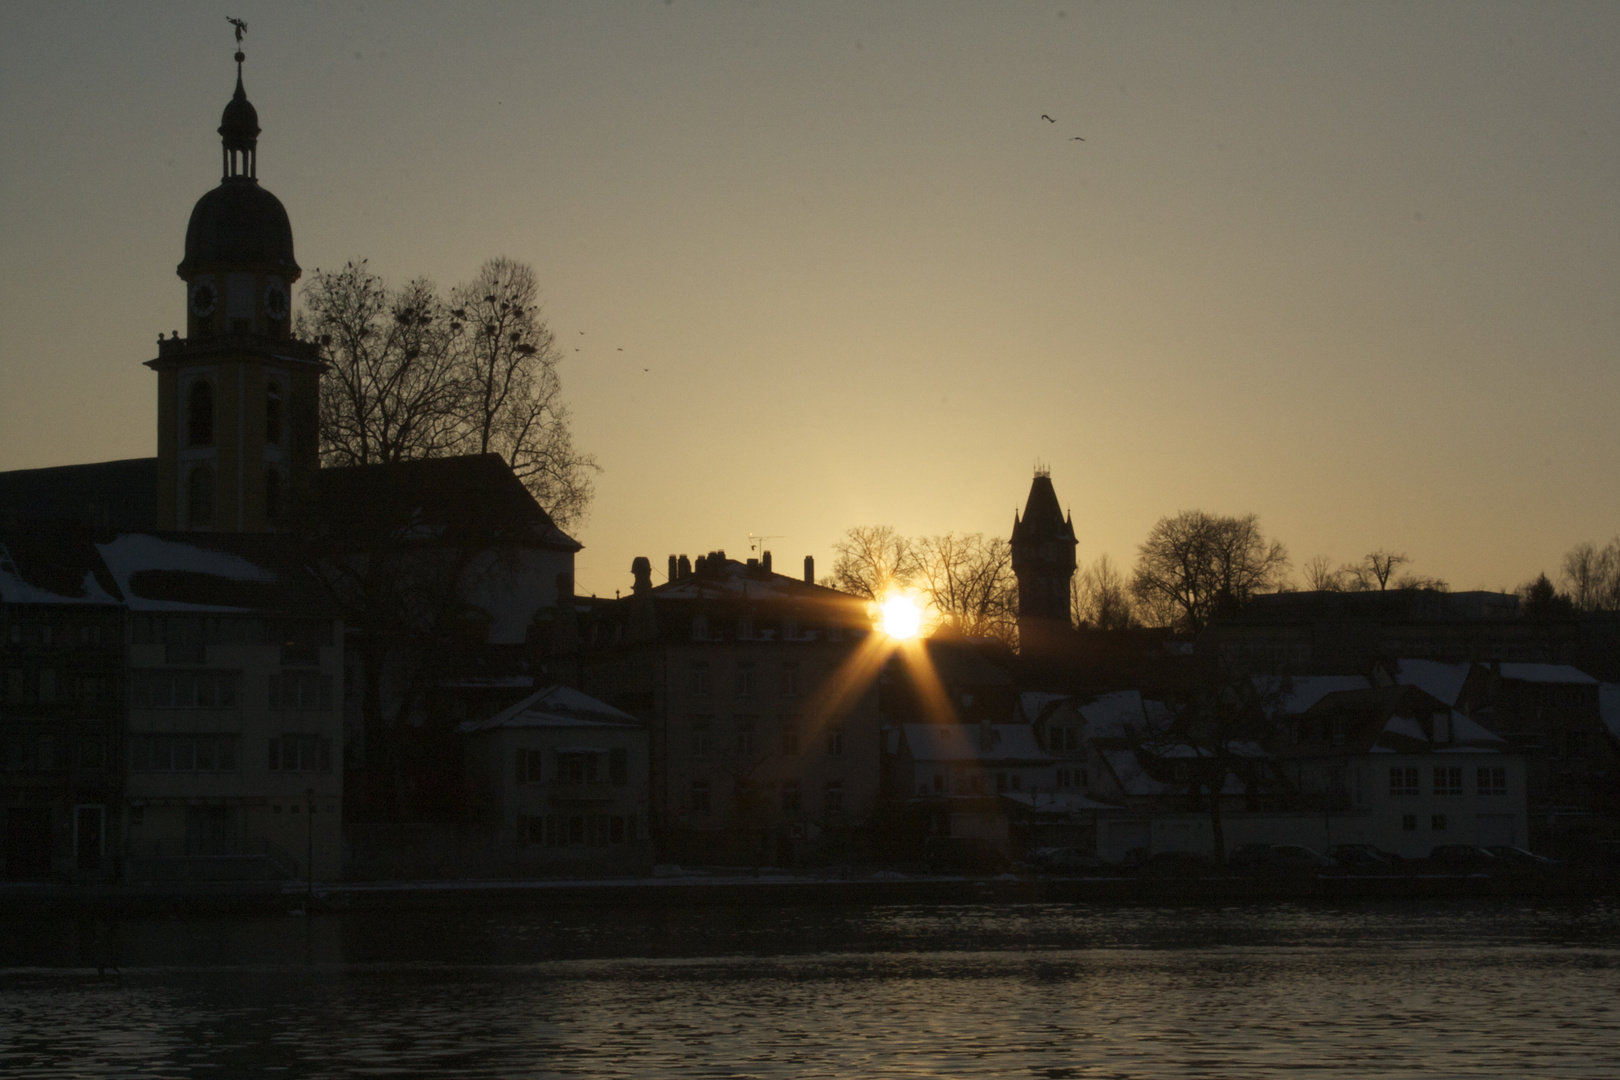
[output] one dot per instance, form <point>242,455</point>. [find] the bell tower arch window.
<point>200,495</point>
<point>200,414</point>
<point>274,413</point>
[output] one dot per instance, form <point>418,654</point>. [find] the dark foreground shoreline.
<point>767,890</point>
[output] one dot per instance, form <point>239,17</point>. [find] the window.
<point>790,796</point>
<point>790,740</point>
<point>301,753</point>
<point>1493,782</point>
<point>530,766</point>
<point>1017,782</point>
<point>790,680</point>
<point>182,753</point>
<point>700,796</point>
<point>619,765</point>
<point>701,736</point>
<point>300,690</point>
<point>745,736</point>
<point>939,783</point>
<point>835,742</point>
<point>576,768</point>
<point>700,680</point>
<point>272,494</point>
<point>15,694</point>
<point>200,496</point>
<point>161,689</point>
<point>1065,778</point>
<point>616,830</point>
<point>1409,822</point>
<point>1403,781</point>
<point>833,797</point>
<point>1001,782</point>
<point>200,414</point>
<point>700,630</point>
<point>745,680</point>
<point>272,414</point>
<point>1448,781</point>
<point>1437,822</point>
<point>47,686</point>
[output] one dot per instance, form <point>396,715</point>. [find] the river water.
<point>1453,989</point>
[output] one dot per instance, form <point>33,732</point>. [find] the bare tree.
<point>1195,565</point>
<point>1322,576</point>
<point>872,561</point>
<point>1099,597</point>
<point>391,391</point>
<point>1422,581</point>
<point>969,581</point>
<point>413,376</point>
<point>1376,568</point>
<point>1217,718</point>
<point>512,404</point>
<point>1591,576</point>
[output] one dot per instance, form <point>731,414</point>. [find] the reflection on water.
<point>1013,990</point>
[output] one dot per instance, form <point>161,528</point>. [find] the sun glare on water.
<point>901,617</point>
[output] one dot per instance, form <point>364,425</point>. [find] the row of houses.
<point>228,661</point>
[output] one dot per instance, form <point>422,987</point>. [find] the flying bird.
<point>1078,138</point>
<point>1048,119</point>
<point>241,27</point>
<point>621,350</point>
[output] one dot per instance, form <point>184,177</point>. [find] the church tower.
<point>237,396</point>
<point>1043,546</point>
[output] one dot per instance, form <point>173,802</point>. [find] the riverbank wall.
<point>778,891</point>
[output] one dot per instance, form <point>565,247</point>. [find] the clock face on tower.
<point>275,300</point>
<point>203,299</point>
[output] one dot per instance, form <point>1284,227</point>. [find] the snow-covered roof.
<point>1546,673</point>
<point>1033,703</point>
<point>1058,802</point>
<point>14,589</point>
<point>1467,735</point>
<point>1307,690</point>
<point>960,742</point>
<point>1113,716</point>
<point>1609,706</point>
<point>133,554</point>
<point>555,706</point>
<point>1133,779</point>
<point>1435,677</point>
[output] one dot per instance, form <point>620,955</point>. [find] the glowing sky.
<point>1354,268</point>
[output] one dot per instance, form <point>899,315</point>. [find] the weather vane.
<point>241,28</point>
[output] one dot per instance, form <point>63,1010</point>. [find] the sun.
<point>900,617</point>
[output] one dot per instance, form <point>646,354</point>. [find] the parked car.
<point>1279,859</point>
<point>1134,858</point>
<point>1463,858</point>
<point>1176,864</point>
<point>1366,859</point>
<point>1065,860</point>
<point>1517,858</point>
<point>1249,858</point>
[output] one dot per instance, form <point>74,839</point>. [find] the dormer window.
<point>272,414</point>
<point>200,414</point>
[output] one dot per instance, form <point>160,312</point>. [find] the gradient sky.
<point>1352,267</point>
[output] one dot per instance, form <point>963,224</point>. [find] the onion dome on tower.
<point>239,229</point>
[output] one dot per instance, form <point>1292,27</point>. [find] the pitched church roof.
<point>117,495</point>
<point>433,500</point>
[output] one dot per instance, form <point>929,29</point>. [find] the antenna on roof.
<point>757,541</point>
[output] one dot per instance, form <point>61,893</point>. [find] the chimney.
<point>809,569</point>
<point>674,568</point>
<point>641,569</point>
<point>766,562</point>
<point>684,567</point>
